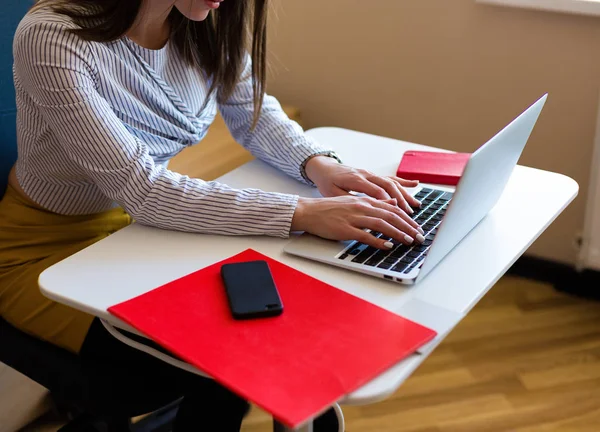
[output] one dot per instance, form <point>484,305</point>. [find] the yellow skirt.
<point>31,240</point>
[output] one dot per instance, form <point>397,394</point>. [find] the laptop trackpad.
<point>434,317</point>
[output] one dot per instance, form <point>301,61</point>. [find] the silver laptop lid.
<point>481,185</point>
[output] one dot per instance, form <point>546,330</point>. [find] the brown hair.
<point>217,45</point>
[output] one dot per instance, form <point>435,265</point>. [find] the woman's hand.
<point>345,217</point>
<point>334,179</point>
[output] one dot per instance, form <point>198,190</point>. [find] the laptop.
<point>447,215</point>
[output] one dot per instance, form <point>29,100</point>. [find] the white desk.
<point>138,259</point>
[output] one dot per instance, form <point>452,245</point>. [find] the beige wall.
<point>446,73</point>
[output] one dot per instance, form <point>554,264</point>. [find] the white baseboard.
<point>580,7</point>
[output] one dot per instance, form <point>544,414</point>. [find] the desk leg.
<point>278,427</point>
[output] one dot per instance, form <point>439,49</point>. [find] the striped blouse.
<point>98,122</point>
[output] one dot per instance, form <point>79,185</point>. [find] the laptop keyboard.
<point>403,258</point>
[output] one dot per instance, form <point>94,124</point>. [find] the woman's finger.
<point>399,223</point>
<point>407,183</point>
<point>334,191</point>
<point>392,206</point>
<point>385,228</point>
<point>366,238</point>
<point>396,221</point>
<point>394,190</point>
<point>362,185</point>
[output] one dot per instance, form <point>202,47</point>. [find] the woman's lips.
<point>213,4</point>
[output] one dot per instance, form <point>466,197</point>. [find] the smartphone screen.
<point>251,290</point>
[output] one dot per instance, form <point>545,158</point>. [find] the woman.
<point>107,92</point>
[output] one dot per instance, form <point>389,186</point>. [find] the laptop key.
<point>372,262</point>
<point>420,248</point>
<point>406,260</point>
<point>401,250</point>
<point>413,254</point>
<point>384,265</point>
<point>343,256</point>
<point>366,253</point>
<point>380,255</point>
<point>399,268</point>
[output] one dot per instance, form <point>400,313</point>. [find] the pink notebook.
<point>326,344</point>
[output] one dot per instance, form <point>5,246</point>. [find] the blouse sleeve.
<point>277,140</point>
<point>56,69</point>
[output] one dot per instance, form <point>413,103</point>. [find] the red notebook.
<point>433,167</point>
<point>326,344</point>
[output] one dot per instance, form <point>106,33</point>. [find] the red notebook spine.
<point>431,178</point>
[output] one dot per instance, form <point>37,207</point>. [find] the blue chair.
<point>55,369</point>
<point>9,18</point>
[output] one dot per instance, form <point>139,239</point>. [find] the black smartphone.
<point>251,291</point>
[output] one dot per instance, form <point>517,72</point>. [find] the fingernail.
<point>410,210</point>
<point>420,238</point>
<point>409,239</point>
<point>389,245</point>
<point>420,230</point>
<point>419,203</point>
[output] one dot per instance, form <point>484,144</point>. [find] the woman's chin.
<point>194,10</point>
<point>199,15</point>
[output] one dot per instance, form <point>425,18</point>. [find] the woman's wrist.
<point>317,166</point>
<point>299,217</point>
